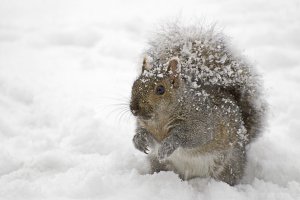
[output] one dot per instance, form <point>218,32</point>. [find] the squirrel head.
<point>155,89</point>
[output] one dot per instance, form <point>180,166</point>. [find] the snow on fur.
<point>207,58</point>
<point>64,69</point>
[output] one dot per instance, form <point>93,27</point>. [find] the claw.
<point>141,143</point>
<point>146,150</point>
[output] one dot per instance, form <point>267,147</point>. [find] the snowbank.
<point>66,69</point>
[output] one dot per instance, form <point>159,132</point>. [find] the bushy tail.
<point>253,108</point>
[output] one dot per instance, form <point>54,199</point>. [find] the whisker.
<point>122,114</point>
<point>116,108</point>
<point>119,99</point>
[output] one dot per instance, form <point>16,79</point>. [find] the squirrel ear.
<point>146,65</point>
<point>173,66</point>
<point>174,70</point>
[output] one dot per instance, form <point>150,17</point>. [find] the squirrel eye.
<point>160,90</point>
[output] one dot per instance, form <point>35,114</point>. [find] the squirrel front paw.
<point>141,142</point>
<point>165,150</point>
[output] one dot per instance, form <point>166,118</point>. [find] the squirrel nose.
<point>135,108</point>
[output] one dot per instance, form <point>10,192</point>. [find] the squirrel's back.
<point>208,60</point>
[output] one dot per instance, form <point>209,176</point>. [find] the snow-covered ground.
<point>66,69</point>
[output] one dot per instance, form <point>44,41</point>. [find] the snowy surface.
<point>66,69</point>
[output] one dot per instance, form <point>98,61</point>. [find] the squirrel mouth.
<point>140,113</point>
<point>142,116</point>
<point>145,117</point>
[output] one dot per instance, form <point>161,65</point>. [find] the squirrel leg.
<point>170,144</point>
<point>156,165</point>
<point>180,136</point>
<point>142,140</point>
<point>234,170</point>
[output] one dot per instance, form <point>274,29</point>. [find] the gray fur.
<point>211,109</point>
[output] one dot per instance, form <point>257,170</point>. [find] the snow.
<point>66,69</point>
<point>201,52</point>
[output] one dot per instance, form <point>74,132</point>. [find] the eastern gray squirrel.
<point>198,103</point>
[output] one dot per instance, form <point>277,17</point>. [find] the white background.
<point>66,69</point>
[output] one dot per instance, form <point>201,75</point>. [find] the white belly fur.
<point>189,164</point>
<point>192,165</point>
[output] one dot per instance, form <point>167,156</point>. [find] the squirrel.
<point>197,103</point>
